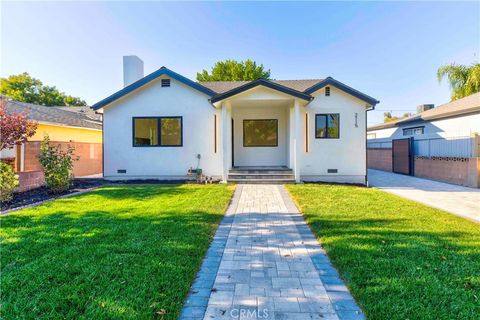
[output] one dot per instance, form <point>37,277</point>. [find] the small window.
<point>413,131</point>
<point>165,82</point>
<point>171,131</point>
<point>327,91</point>
<point>157,131</point>
<point>260,133</point>
<point>327,126</point>
<point>145,132</point>
<point>371,135</point>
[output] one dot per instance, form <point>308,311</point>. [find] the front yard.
<point>117,252</point>
<point>401,259</point>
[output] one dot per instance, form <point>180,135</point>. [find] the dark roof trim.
<point>329,81</point>
<point>265,83</point>
<point>152,76</point>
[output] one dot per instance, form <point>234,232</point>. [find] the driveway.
<point>461,201</point>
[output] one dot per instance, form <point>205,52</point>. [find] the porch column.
<point>226,138</point>
<point>297,139</point>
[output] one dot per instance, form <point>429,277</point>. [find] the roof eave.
<point>147,79</point>
<point>261,82</point>
<point>343,87</point>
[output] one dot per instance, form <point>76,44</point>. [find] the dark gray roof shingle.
<point>224,86</point>
<point>89,112</point>
<point>55,115</point>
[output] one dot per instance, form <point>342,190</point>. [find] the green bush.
<point>8,182</point>
<point>57,166</point>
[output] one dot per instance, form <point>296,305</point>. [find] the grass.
<point>401,259</point>
<point>119,252</point>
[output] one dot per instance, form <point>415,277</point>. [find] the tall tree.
<point>232,70</point>
<point>14,127</point>
<point>24,88</point>
<point>464,80</point>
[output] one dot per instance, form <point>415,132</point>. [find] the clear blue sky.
<point>388,50</point>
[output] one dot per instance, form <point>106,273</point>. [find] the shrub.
<point>8,182</point>
<point>57,166</point>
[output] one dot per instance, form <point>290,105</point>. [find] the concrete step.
<point>260,176</point>
<point>261,181</point>
<point>259,171</point>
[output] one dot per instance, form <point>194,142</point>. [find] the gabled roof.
<point>53,115</point>
<point>152,76</point>
<point>466,105</point>
<point>329,81</point>
<point>87,111</point>
<point>219,90</point>
<point>265,83</point>
<point>224,86</point>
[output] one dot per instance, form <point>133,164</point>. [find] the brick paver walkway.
<point>265,263</point>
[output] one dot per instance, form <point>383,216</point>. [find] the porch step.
<point>276,175</point>
<point>261,181</point>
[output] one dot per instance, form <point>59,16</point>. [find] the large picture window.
<point>260,133</point>
<point>157,131</point>
<point>327,126</point>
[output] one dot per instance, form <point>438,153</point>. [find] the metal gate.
<point>402,156</point>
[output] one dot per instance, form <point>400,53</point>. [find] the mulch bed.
<point>21,199</point>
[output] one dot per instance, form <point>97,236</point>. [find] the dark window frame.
<point>260,146</point>
<point>327,91</point>
<point>159,132</point>
<point>326,125</point>
<point>413,128</point>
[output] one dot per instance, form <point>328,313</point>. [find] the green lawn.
<point>114,253</point>
<point>401,259</point>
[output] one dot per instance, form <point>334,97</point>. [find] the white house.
<point>160,125</point>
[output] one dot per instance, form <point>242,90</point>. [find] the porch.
<point>262,136</point>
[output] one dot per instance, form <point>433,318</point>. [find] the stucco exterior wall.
<point>261,156</point>
<point>347,154</point>
<point>162,162</point>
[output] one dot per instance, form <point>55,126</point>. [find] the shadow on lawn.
<point>395,271</point>
<point>103,264</point>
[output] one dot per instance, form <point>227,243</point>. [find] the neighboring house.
<point>443,142</point>
<point>160,125</point>
<point>64,128</point>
